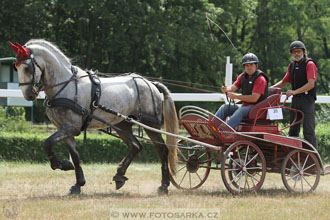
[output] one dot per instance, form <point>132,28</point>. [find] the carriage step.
<point>327,170</point>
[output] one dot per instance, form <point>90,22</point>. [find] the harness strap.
<point>153,102</point>
<point>74,70</point>
<point>95,94</point>
<point>138,93</point>
<point>74,77</point>
<point>70,104</point>
<point>141,116</point>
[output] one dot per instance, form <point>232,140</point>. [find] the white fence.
<point>179,97</point>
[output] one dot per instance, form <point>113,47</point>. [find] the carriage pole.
<point>173,135</point>
<point>131,120</point>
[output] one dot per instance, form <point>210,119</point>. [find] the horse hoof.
<point>120,181</point>
<point>55,165</point>
<point>74,190</point>
<point>162,191</point>
<point>66,165</point>
<point>119,184</point>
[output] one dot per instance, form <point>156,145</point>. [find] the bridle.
<point>36,86</point>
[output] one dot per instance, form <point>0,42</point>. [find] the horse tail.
<point>171,125</point>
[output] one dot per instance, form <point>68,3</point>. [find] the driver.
<point>254,85</point>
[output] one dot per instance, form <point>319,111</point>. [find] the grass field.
<point>34,191</point>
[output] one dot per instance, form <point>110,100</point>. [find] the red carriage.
<point>244,156</point>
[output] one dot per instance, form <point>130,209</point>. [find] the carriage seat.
<point>273,99</point>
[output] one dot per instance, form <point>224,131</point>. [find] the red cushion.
<point>272,100</point>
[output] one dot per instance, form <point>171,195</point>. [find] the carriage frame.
<point>244,156</point>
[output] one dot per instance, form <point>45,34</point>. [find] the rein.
<point>61,83</point>
<point>189,87</point>
<point>170,82</point>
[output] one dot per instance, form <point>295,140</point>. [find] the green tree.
<point>170,39</point>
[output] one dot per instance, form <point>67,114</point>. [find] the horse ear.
<point>25,51</point>
<point>15,48</point>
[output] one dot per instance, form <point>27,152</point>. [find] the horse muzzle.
<point>30,94</point>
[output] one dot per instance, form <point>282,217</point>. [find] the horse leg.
<point>67,134</point>
<point>80,178</point>
<point>135,147</point>
<point>163,155</point>
<point>60,135</point>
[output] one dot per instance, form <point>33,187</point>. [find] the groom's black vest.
<point>298,77</point>
<point>248,83</point>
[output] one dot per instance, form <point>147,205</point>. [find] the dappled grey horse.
<point>73,103</point>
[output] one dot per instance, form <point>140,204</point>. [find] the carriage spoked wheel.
<point>193,167</point>
<point>243,167</point>
<point>300,172</point>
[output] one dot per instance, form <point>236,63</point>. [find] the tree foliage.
<point>172,39</point>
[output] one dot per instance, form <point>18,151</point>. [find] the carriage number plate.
<point>275,114</point>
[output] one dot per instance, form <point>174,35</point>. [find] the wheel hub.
<point>295,173</point>
<point>240,167</point>
<point>193,164</point>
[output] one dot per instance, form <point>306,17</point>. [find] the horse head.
<point>29,71</point>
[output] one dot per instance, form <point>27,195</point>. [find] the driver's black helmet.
<point>297,45</point>
<point>249,58</point>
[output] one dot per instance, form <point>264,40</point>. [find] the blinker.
<point>14,66</point>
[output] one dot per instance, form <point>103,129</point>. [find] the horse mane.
<point>51,46</point>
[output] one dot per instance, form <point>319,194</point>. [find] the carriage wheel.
<point>193,167</point>
<point>243,167</point>
<point>300,171</point>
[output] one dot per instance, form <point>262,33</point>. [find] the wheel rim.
<point>193,168</point>
<point>243,167</point>
<point>300,172</point>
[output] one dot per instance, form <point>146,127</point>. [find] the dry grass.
<point>39,193</point>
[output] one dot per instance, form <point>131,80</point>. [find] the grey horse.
<point>41,66</point>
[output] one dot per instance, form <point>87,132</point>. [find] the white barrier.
<point>179,97</point>
<point>14,93</point>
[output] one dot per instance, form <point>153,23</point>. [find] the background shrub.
<point>99,148</point>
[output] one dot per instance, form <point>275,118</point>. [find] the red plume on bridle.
<point>23,53</point>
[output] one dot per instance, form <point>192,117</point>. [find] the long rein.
<point>170,82</point>
<point>164,81</point>
<point>175,84</point>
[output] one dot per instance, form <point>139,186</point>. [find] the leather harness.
<point>75,107</point>
<point>96,95</point>
<point>141,117</point>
